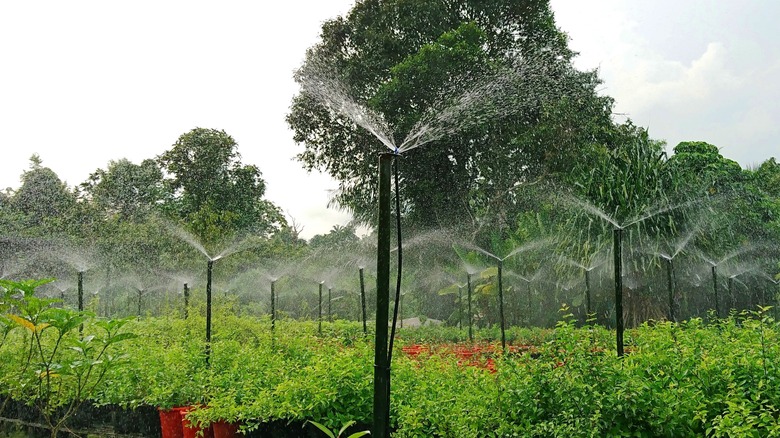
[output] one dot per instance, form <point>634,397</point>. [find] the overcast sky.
<point>86,82</point>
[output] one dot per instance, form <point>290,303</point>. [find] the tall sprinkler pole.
<point>670,287</point>
<point>319,313</point>
<point>81,297</point>
<point>618,252</point>
<point>381,417</point>
<point>401,310</point>
<point>81,290</point>
<point>209,268</point>
<point>468,298</point>
<point>186,301</point>
<point>273,307</point>
<point>588,309</point>
<point>731,292</point>
<point>715,290</point>
<point>363,301</point>
<point>330,318</point>
<point>530,306</point>
<point>501,305</point>
<point>460,307</point>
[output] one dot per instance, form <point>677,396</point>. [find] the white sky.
<point>86,82</point>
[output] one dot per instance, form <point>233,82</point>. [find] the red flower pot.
<point>170,423</point>
<point>224,429</point>
<point>190,430</point>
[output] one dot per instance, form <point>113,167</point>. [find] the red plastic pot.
<point>224,429</point>
<point>190,430</point>
<point>171,423</point>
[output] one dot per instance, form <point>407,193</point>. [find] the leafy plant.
<point>334,434</point>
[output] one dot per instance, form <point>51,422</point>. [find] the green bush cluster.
<point>676,380</point>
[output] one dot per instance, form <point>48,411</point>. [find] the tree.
<point>126,189</point>
<point>338,238</point>
<point>700,164</point>
<point>43,197</point>
<point>213,191</point>
<point>399,58</point>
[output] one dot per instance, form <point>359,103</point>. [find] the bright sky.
<point>85,82</point>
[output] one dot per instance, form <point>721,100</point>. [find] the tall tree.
<point>43,198</point>
<point>405,60</point>
<point>213,190</point>
<point>126,189</point>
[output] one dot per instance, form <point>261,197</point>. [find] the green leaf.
<point>324,429</point>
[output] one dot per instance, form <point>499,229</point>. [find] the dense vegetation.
<point>540,187</point>
<point>690,379</point>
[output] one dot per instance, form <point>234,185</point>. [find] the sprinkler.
<point>460,307</point>
<point>731,291</point>
<point>186,301</point>
<point>715,290</point>
<point>81,291</point>
<point>588,309</point>
<point>501,306</point>
<point>330,317</point>
<point>140,294</point>
<point>319,312</point>
<point>81,297</point>
<point>381,413</point>
<point>468,298</point>
<point>273,307</point>
<point>528,292</point>
<point>209,268</point>
<point>363,301</point>
<point>670,287</point>
<point>618,252</point>
<point>401,310</point>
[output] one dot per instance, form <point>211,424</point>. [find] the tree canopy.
<point>405,59</point>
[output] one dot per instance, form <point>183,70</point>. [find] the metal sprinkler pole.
<point>81,297</point>
<point>732,299</point>
<point>715,290</point>
<point>618,252</point>
<point>460,307</point>
<point>588,309</point>
<point>363,301</point>
<point>381,417</point>
<point>209,269</point>
<point>501,305</point>
<point>670,287</point>
<point>330,294</point>
<point>319,313</point>
<point>81,290</point>
<point>186,301</point>
<point>273,307</point>
<point>468,298</point>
